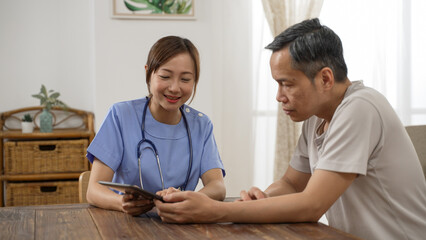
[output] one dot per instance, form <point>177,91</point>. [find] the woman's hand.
<point>135,207</point>
<point>167,191</point>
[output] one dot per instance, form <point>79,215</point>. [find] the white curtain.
<point>385,48</point>
<point>281,14</point>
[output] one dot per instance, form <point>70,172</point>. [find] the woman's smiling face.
<point>172,85</point>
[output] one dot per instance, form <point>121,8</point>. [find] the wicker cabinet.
<point>43,168</point>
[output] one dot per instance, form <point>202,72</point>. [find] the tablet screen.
<point>132,189</point>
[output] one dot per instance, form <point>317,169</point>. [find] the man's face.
<point>299,96</point>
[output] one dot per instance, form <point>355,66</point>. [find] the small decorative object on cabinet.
<point>27,124</point>
<point>43,167</point>
<point>48,100</point>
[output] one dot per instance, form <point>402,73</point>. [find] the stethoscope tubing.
<point>154,148</point>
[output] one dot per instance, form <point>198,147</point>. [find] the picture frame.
<point>153,9</point>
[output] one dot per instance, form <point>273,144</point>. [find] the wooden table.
<point>82,221</point>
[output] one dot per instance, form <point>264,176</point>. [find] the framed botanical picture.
<point>153,9</point>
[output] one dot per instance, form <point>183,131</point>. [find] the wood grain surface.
<point>82,221</point>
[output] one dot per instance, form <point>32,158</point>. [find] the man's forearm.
<point>293,181</point>
<point>280,187</point>
<point>289,208</point>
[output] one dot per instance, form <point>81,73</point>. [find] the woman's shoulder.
<point>128,105</point>
<point>195,115</point>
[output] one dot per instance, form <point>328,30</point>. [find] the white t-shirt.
<point>388,198</point>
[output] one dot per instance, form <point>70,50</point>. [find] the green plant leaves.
<point>43,90</point>
<point>27,118</point>
<point>159,6</point>
<point>54,95</point>
<point>148,6</point>
<point>48,101</point>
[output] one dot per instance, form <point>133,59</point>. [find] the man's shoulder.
<point>359,91</point>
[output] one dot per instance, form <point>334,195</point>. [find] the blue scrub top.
<point>117,139</point>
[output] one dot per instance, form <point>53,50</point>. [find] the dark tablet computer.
<point>132,189</point>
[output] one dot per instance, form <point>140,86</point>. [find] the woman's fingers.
<point>136,206</point>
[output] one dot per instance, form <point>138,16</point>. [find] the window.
<point>383,42</point>
<point>264,104</point>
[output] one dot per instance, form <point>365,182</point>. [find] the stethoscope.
<point>154,149</point>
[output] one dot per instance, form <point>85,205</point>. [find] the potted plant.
<point>27,123</point>
<point>48,99</point>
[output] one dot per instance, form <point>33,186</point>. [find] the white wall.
<point>75,47</point>
<point>45,42</point>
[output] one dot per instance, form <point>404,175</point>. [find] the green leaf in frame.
<point>186,10</point>
<point>149,6</point>
<point>168,7</point>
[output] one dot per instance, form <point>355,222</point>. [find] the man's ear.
<point>326,77</point>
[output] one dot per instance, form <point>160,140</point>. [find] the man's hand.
<point>253,194</point>
<point>135,207</point>
<point>188,207</point>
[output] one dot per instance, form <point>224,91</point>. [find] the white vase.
<point>27,127</point>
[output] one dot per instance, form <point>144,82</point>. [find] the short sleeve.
<point>210,157</point>
<point>107,146</point>
<point>353,135</point>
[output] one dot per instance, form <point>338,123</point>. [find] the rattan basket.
<point>56,156</point>
<point>41,193</point>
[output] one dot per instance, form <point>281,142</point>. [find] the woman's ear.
<point>148,82</point>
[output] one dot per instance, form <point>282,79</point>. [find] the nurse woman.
<point>157,142</point>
